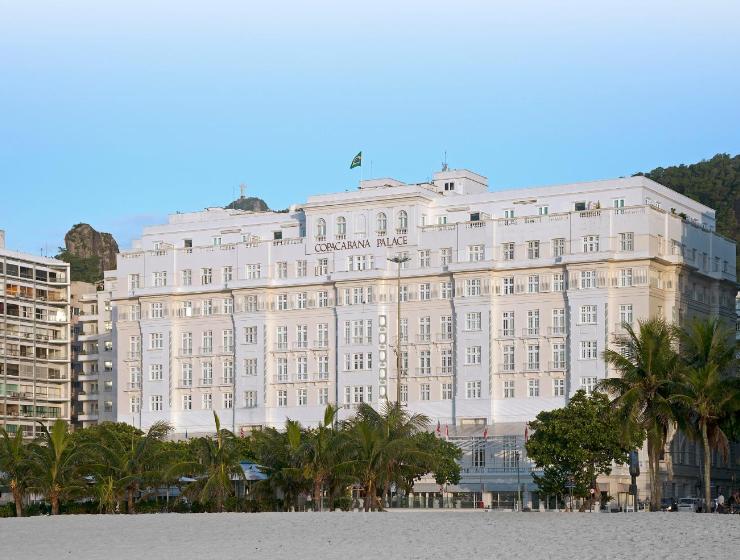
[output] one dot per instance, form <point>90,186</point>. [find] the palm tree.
<point>319,452</point>
<point>709,390</point>
<point>649,367</point>
<point>126,461</point>
<point>216,466</point>
<point>55,463</point>
<point>14,466</point>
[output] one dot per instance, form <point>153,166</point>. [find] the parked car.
<point>668,504</point>
<point>691,505</point>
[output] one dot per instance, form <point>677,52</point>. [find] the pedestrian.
<point>720,503</point>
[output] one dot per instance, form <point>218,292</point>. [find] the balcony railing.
<point>557,365</point>
<point>556,331</point>
<point>531,331</point>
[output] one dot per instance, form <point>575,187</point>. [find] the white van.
<point>689,505</point>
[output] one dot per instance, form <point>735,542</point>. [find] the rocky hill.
<point>89,252</point>
<point>251,203</point>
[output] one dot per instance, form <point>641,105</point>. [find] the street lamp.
<point>518,483</point>
<point>399,260</point>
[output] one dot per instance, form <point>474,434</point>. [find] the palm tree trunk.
<point>130,500</point>
<point>18,499</point>
<point>707,469</point>
<point>317,494</point>
<point>654,468</point>
<point>369,495</point>
<point>55,504</point>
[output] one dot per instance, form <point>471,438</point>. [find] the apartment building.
<point>93,372</point>
<point>34,341</point>
<point>508,299</point>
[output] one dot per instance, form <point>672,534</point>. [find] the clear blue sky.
<point>119,115</point>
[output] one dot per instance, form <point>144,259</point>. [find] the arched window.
<point>321,228</point>
<point>341,226</point>
<point>382,223</point>
<point>361,226</point>
<point>403,221</point>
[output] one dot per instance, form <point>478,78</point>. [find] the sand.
<point>407,535</point>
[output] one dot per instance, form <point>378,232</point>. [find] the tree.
<point>709,389</point>
<point>443,459</point>
<point>578,442</point>
<point>126,460</point>
<point>216,466</point>
<point>649,367</point>
<point>55,464</point>
<point>84,269</point>
<point>15,467</point>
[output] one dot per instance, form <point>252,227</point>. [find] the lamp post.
<point>399,260</point>
<point>518,483</point>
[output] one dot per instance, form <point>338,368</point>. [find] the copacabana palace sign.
<point>388,242</point>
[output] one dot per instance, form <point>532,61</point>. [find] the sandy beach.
<point>408,535</point>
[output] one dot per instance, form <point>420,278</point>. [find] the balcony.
<point>136,355</point>
<point>425,338</point>
<point>206,381</point>
<point>186,382</point>
<point>423,371</point>
<point>531,331</point>
<point>444,370</point>
<point>300,345</point>
<point>506,367</point>
<point>531,366</point>
<point>133,386</point>
<point>319,344</point>
<point>557,366</point>
<point>556,331</point>
<point>444,337</point>
<point>206,350</point>
<point>506,333</point>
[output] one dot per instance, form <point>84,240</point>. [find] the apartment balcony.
<point>88,417</point>
<point>185,353</point>
<point>54,397</point>
<point>444,370</point>
<point>531,366</point>
<point>423,371</point>
<point>506,367</point>
<point>300,345</point>
<point>506,333</point>
<point>320,344</point>
<point>205,351</point>
<point>556,366</point>
<point>133,386</point>
<point>281,347</point>
<point>131,356</point>
<point>444,337</point>
<point>530,331</point>
<point>87,396</point>
<point>226,381</point>
<point>205,381</point>
<point>281,379</point>
<point>556,331</point>
<point>362,340</point>
<point>185,383</point>
<point>424,338</point>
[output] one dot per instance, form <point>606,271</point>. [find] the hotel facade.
<point>507,301</point>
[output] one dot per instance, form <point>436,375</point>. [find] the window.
<point>533,357</point>
<point>558,247</point>
<point>155,403</point>
<point>445,256</point>
<point>558,282</point>
<point>473,321</point>
<point>157,310</point>
<point>558,355</point>
<point>323,367</point>
<point>381,223</point>
<point>301,368</point>
<point>250,399</point>
<point>446,391</point>
<point>472,389</point>
<point>301,269</point>
<point>403,222</point>
<point>533,249</point>
<point>155,372</point>
<point>425,291</point>
<point>403,295</point>
<point>425,329</point>
<point>282,302</point>
<point>227,400</point>
<point>282,337</point>
<point>206,369</point>
<point>533,322</point>
<point>445,290</point>
<point>321,229</point>
<point>207,343</point>
<point>588,279</point>
<point>627,241</point>
<point>250,335</point>
<point>323,299</point>
<point>322,267</point>
<point>227,274</point>
<point>160,279</point>
<point>508,251</point>
<point>425,362</point>
<point>282,398</point>
<point>558,387</point>
<point>322,335</point>
<point>533,388</point>
<point>533,283</point>
<point>186,344</point>
<point>507,323</point>
<point>206,276</point>
<point>472,355</point>
<point>250,366</point>
<point>558,321</point>
<point>543,210</point>
<point>281,269</point>
<point>449,186</point>
<point>228,306</point>
<point>206,401</point>
<point>588,315</point>
<point>323,394</point>
<point>253,271</point>
<point>186,371</point>
<point>476,253</point>
<point>445,323</point>
<point>509,389</point>
<point>618,203</point>
<point>134,281</point>
<point>508,355</point>
<point>588,350</point>
<point>425,392</point>
<point>508,286</point>
<point>301,397</point>
<point>590,243</point>
<point>579,206</point>
<point>228,340</point>
<point>404,334</point>
<point>228,372</point>
<point>425,258</point>
<point>625,314</point>
<point>509,213</point>
<point>187,402</point>
<point>341,227</point>
<point>588,384</point>
<point>156,341</point>
<point>472,287</point>
<point>625,277</point>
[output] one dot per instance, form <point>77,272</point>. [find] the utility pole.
<point>399,260</point>
<point>518,483</point>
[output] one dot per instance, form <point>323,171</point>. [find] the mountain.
<point>89,252</point>
<point>714,182</point>
<point>251,203</point>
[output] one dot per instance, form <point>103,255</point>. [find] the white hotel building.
<point>508,300</point>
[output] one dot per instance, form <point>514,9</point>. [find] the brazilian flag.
<point>356,161</point>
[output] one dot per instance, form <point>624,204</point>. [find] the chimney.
<point>2,239</point>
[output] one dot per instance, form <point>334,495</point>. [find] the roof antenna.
<point>242,190</point>
<point>444,162</point>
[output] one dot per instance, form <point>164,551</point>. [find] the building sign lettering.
<point>387,242</point>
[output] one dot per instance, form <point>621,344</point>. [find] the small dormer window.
<point>579,206</point>
<point>217,241</point>
<point>277,235</point>
<point>321,228</point>
<point>450,186</point>
<point>475,217</point>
